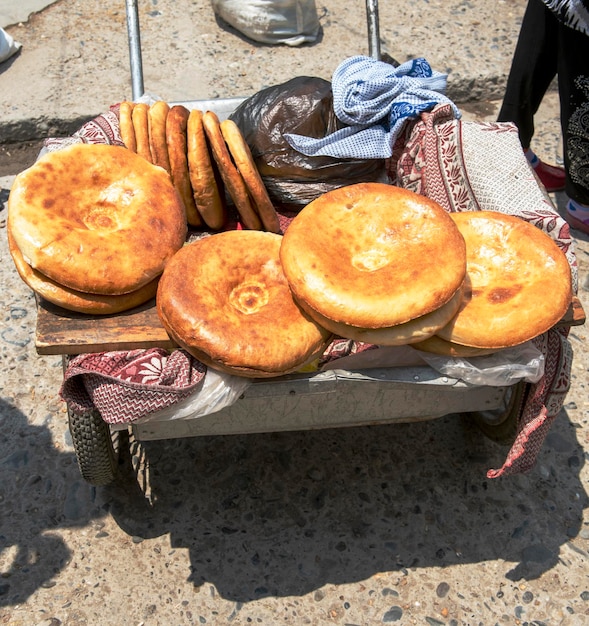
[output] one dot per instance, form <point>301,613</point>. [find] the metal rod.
<point>134,49</point>
<point>373,29</point>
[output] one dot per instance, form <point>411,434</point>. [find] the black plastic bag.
<point>304,106</point>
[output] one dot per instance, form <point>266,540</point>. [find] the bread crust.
<point>441,347</point>
<point>156,119</point>
<point>88,303</point>
<point>242,157</point>
<point>410,332</point>
<point>139,117</point>
<point>372,255</point>
<point>176,126</point>
<point>230,174</point>
<point>224,298</point>
<point>126,125</point>
<point>518,282</point>
<point>96,218</point>
<point>207,185</point>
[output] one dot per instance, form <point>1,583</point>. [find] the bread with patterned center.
<point>224,298</point>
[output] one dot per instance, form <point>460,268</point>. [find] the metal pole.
<point>373,29</point>
<point>134,49</point>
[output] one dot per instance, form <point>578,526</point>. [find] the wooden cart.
<point>327,399</point>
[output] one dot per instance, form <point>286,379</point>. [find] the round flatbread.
<point>441,347</point>
<point>96,218</point>
<point>518,282</point>
<point>229,173</point>
<point>409,332</point>
<point>126,125</point>
<point>176,125</point>
<point>88,303</point>
<point>156,121</point>
<point>224,299</point>
<point>206,181</point>
<point>139,117</point>
<point>242,157</point>
<point>372,255</point>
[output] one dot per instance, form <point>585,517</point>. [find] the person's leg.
<point>533,68</point>
<point>573,78</point>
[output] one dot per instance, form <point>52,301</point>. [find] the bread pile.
<point>224,298</point>
<point>91,227</point>
<point>375,263</point>
<point>204,158</point>
<point>518,285</point>
<point>383,265</point>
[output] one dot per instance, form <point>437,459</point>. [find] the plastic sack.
<point>290,22</point>
<point>8,47</point>
<point>505,367</point>
<point>218,390</point>
<point>304,106</point>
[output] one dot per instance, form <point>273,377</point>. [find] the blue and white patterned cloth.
<point>375,99</point>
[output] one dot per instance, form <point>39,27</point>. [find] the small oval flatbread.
<point>91,304</point>
<point>244,161</point>
<point>225,299</point>
<point>141,128</point>
<point>230,174</point>
<point>126,125</point>
<point>207,185</point>
<point>156,118</point>
<point>520,282</point>
<point>176,125</point>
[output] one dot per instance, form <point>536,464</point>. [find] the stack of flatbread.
<point>224,298</point>
<point>376,263</point>
<point>518,285</point>
<point>205,158</point>
<point>91,227</point>
<point>383,265</point>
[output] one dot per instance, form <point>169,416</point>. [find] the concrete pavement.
<point>75,58</point>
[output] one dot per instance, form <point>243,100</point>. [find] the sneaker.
<point>551,176</point>
<point>575,222</point>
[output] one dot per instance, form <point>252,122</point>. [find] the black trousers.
<point>547,48</point>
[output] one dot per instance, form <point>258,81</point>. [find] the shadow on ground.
<point>284,514</point>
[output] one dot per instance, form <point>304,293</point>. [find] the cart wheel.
<point>97,449</point>
<point>500,425</point>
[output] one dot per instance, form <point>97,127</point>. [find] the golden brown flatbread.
<point>156,121</point>
<point>126,125</point>
<point>206,181</point>
<point>176,126</point>
<point>373,255</point>
<point>230,174</point>
<point>88,303</point>
<point>96,218</point>
<point>139,117</point>
<point>410,332</point>
<point>242,157</point>
<point>224,299</point>
<point>518,282</point>
<point>441,347</point>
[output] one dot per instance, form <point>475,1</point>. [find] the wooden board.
<point>64,332</point>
